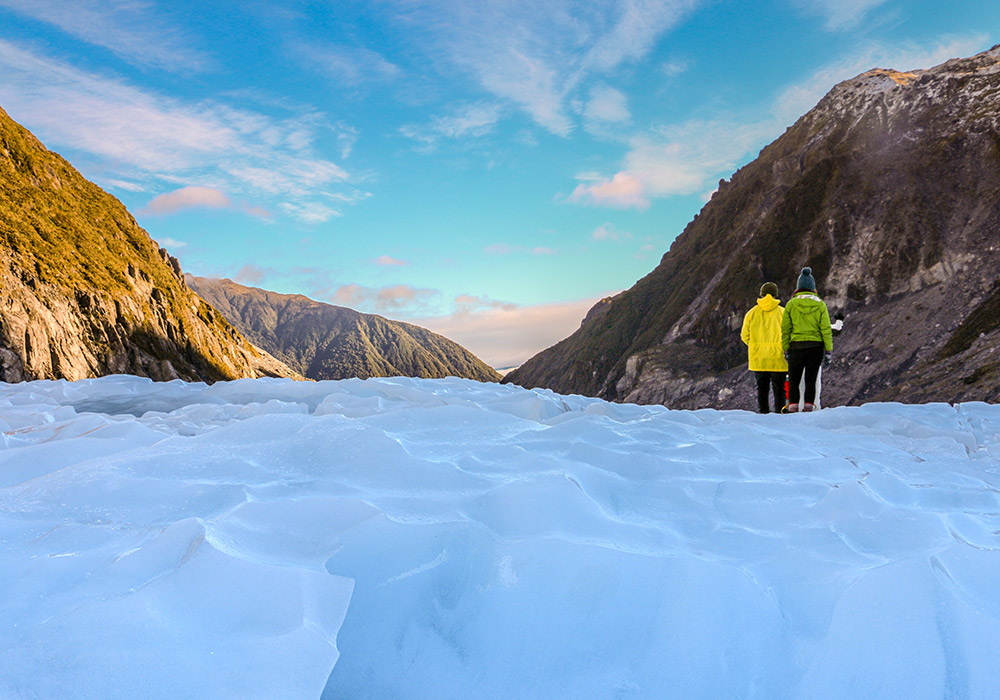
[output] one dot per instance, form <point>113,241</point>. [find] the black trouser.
<point>801,360</point>
<point>770,381</point>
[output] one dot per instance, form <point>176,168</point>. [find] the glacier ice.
<point>405,538</point>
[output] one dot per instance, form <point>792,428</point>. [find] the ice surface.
<point>407,539</point>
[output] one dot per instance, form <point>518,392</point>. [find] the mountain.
<point>86,292</point>
<point>890,190</point>
<point>323,341</point>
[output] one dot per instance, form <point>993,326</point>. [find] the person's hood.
<point>807,303</point>
<point>767,303</point>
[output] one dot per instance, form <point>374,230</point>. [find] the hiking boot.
<point>807,408</point>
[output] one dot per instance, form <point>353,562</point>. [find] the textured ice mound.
<point>463,540</point>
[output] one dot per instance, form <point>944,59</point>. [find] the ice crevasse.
<point>405,538</point>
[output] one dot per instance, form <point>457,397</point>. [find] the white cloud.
<point>251,274</point>
<point>504,335</point>
<point>467,304</point>
<point>130,29</point>
<point>606,105</point>
<point>645,250</point>
<point>684,158</point>
<point>350,66</point>
<point>535,55</point>
<point>465,121</point>
<point>311,212</point>
<point>607,232</point>
<point>389,261</point>
<point>675,67</point>
<point>637,26</point>
<point>172,244</point>
<point>394,299</point>
<point>468,120</point>
<point>689,157</point>
<point>623,190</point>
<point>134,133</point>
<point>124,185</point>
<point>188,198</point>
<point>840,14</point>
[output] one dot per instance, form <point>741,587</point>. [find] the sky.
<point>488,169</point>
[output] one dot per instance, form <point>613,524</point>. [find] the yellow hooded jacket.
<point>762,334</point>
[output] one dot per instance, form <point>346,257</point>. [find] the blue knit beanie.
<point>806,280</point>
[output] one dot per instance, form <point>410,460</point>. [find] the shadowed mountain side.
<point>323,341</point>
<point>86,292</point>
<point>890,190</point>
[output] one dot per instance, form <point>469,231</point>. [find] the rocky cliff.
<point>86,292</point>
<point>890,190</point>
<point>323,341</point>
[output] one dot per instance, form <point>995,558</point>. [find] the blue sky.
<point>487,169</point>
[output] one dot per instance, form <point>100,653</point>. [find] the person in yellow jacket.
<point>762,334</point>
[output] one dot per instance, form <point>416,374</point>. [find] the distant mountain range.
<point>86,292</point>
<point>322,341</point>
<point>890,190</point>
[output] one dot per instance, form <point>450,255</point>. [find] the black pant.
<point>801,360</point>
<point>774,381</point>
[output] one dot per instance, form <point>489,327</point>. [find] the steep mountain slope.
<point>323,341</point>
<point>86,291</point>
<point>890,189</point>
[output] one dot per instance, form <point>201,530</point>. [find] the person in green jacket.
<point>806,338</point>
<point>762,334</point>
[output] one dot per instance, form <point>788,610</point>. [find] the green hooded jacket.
<point>806,318</point>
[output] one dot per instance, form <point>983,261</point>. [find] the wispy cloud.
<point>392,299</point>
<point>840,14</point>
<point>351,66</point>
<point>132,30</point>
<point>623,190</point>
<point>689,157</point>
<point>251,274</point>
<point>465,121</point>
<point>606,105</point>
<point>188,198</point>
<point>311,212</point>
<point>196,197</point>
<point>505,335</point>
<point>172,244</point>
<point>389,261</point>
<point>675,67</point>
<point>536,55</point>
<point>608,232</point>
<point>684,158</point>
<point>508,249</point>
<point>133,132</point>
<point>124,185</point>
<point>468,304</point>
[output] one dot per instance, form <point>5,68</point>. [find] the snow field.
<point>403,538</point>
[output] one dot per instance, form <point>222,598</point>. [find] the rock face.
<point>86,292</point>
<point>890,190</point>
<point>323,341</point>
